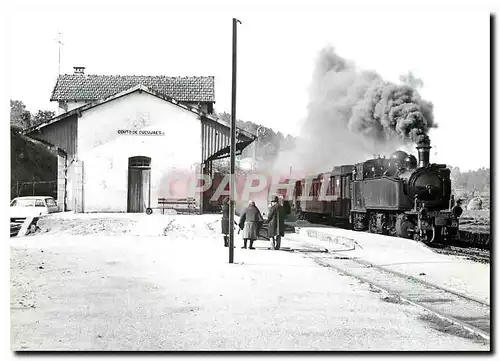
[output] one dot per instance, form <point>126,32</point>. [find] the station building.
<point>120,140</point>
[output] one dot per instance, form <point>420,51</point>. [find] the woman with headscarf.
<point>276,223</point>
<point>225,221</point>
<point>250,221</point>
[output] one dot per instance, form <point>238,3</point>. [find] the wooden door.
<point>135,191</point>
<point>346,195</point>
<point>139,184</point>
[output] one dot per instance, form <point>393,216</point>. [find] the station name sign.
<point>140,132</point>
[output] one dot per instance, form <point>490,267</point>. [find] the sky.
<point>448,49</point>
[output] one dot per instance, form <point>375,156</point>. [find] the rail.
<point>461,310</point>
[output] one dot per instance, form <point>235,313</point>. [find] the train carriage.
<point>327,195</point>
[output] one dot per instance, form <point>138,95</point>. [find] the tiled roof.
<point>241,134</point>
<point>81,87</point>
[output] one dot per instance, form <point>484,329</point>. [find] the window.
<point>317,187</point>
<point>39,203</point>
<point>329,189</point>
<point>22,203</point>
<point>50,202</point>
<point>139,162</point>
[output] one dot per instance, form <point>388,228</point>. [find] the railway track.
<point>465,312</point>
<point>474,254</point>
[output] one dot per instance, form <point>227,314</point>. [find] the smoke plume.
<point>353,114</point>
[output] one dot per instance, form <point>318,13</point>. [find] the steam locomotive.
<point>395,196</point>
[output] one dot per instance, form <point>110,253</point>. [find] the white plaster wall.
<point>74,187</point>
<point>105,153</point>
<point>73,105</point>
<point>64,107</point>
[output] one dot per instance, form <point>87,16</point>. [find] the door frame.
<point>140,163</point>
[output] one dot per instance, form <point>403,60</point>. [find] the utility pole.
<point>232,147</point>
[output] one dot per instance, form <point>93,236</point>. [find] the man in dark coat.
<point>225,221</point>
<point>276,223</point>
<point>250,221</point>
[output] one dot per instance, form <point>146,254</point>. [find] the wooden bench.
<point>175,203</point>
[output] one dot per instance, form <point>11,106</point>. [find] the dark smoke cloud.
<point>367,104</point>
<point>353,114</point>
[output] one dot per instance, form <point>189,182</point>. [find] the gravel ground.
<point>173,289</point>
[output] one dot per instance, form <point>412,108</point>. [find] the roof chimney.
<point>79,69</point>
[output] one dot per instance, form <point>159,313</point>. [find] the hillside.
<point>31,161</point>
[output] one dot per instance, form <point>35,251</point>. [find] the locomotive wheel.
<point>359,222</point>
<point>404,229</point>
<point>372,223</point>
<point>438,237</point>
<point>433,236</point>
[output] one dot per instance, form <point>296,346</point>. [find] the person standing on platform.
<point>225,221</point>
<point>250,221</point>
<point>276,223</point>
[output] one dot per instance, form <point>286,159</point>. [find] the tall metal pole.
<point>60,43</point>
<point>233,147</point>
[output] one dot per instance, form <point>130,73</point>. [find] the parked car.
<point>23,207</point>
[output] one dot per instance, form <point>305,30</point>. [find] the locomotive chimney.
<point>424,149</point>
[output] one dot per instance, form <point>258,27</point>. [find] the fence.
<point>33,188</point>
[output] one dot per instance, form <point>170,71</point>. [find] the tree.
<point>270,144</point>
<point>42,116</point>
<point>470,183</point>
<point>19,116</point>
